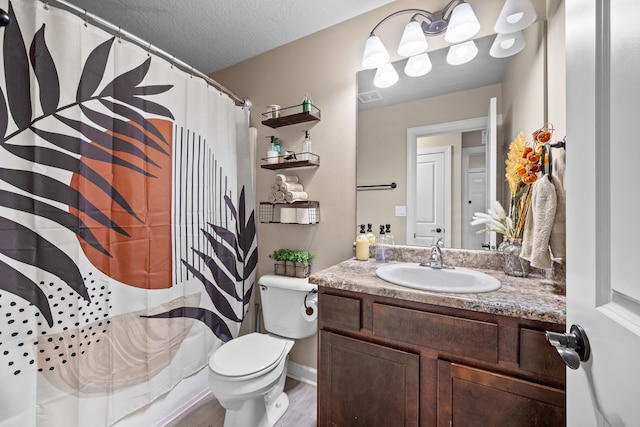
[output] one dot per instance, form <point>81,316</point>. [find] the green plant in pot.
<point>292,262</point>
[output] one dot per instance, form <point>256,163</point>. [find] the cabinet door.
<point>471,397</point>
<point>365,384</point>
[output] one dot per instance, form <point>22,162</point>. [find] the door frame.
<point>466,125</point>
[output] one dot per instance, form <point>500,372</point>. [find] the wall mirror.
<point>408,132</point>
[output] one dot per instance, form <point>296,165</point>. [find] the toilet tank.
<point>283,306</point>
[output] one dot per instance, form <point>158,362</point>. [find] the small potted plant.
<point>294,263</point>
<point>302,260</point>
<point>280,256</point>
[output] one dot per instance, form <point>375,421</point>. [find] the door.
<point>431,207</point>
<point>470,397</point>
<point>365,384</point>
<point>603,295</point>
<point>475,200</point>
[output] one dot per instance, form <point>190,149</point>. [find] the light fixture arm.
<point>434,23</point>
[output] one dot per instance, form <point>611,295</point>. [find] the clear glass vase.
<point>512,263</point>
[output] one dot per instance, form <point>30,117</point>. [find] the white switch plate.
<point>401,211</point>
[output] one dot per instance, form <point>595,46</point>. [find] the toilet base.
<point>254,412</point>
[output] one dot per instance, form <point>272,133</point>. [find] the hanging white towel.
<point>539,223</point>
<point>557,240</point>
<point>296,196</point>
<point>280,178</point>
<point>291,186</point>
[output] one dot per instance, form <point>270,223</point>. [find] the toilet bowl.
<point>247,374</point>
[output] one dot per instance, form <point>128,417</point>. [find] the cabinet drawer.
<point>465,337</point>
<point>339,312</point>
<point>537,355</point>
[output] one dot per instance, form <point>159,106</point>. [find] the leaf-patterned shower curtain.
<point>127,231</point>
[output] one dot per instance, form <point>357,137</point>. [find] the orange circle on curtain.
<point>143,257</point>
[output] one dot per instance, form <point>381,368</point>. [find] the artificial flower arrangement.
<point>522,170</point>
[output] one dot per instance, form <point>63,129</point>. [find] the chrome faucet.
<point>435,258</point>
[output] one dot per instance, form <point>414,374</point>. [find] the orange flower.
<point>543,136</point>
<point>521,170</point>
<point>526,152</point>
<point>533,157</point>
<point>534,167</point>
<point>530,178</point>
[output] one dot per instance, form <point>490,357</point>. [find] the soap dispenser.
<point>389,235</point>
<point>370,235</point>
<point>306,146</point>
<point>362,245</point>
<point>272,152</point>
<point>381,247</point>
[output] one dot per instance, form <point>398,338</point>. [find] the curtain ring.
<point>119,35</point>
<point>85,18</point>
<point>45,5</point>
<point>149,50</point>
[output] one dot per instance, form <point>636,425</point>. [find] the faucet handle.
<point>440,242</point>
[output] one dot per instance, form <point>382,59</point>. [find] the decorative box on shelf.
<point>292,160</point>
<point>300,113</point>
<point>289,213</point>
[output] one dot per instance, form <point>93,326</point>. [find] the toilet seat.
<point>248,354</point>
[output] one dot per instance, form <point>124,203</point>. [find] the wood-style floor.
<point>302,410</point>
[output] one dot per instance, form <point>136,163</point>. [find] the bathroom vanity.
<point>391,355</point>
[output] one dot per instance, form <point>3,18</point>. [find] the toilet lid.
<point>247,354</point>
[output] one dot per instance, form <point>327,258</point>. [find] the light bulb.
<point>413,40</point>
<point>418,65</point>
<point>462,25</point>
<point>516,15</point>
<point>462,53</point>
<point>507,44</point>
<point>375,53</point>
<point>386,76</point>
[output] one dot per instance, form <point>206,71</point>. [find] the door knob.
<point>573,347</point>
<point>437,230</point>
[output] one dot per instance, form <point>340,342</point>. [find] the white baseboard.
<point>302,373</point>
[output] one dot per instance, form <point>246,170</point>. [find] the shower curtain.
<point>127,232</point>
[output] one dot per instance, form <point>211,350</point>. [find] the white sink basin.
<point>459,280</point>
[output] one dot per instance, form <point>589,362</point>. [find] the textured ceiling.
<point>213,34</point>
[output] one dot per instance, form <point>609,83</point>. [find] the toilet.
<point>247,374</point>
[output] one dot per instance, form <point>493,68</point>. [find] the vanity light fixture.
<point>458,23</point>
<point>461,24</point>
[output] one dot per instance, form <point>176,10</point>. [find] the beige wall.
<point>324,65</point>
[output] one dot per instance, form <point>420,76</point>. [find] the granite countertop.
<point>534,297</point>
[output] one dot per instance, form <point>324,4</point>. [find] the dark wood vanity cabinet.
<point>389,362</point>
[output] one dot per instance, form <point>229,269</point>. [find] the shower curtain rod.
<point>148,46</point>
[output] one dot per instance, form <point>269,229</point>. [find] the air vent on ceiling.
<point>371,96</point>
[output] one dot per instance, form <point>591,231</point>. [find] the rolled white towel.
<point>275,187</point>
<point>280,178</point>
<point>295,196</point>
<point>271,197</point>
<point>291,186</point>
<point>280,196</point>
